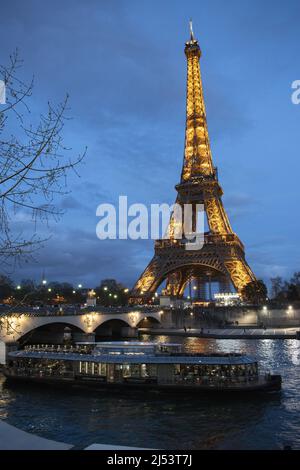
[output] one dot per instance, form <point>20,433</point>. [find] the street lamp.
<point>18,287</point>
<point>80,286</point>
<point>44,282</point>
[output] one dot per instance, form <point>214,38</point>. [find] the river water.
<point>160,421</point>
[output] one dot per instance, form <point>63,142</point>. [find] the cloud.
<point>70,202</point>
<point>78,256</point>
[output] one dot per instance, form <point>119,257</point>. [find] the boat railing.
<point>88,350</point>
<point>58,349</point>
<point>33,372</point>
<point>226,355</point>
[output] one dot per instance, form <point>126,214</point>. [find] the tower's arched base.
<point>221,260</point>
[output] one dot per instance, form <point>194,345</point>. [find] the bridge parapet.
<point>49,310</point>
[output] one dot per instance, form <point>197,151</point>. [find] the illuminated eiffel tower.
<point>221,258</point>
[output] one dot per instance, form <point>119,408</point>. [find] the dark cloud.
<point>70,202</point>
<point>78,256</point>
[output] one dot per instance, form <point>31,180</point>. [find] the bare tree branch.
<point>33,163</point>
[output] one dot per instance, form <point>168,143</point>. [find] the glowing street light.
<point>105,288</point>
<point>18,287</point>
<point>49,290</point>
<point>126,290</point>
<point>79,286</point>
<point>115,296</point>
<point>44,282</point>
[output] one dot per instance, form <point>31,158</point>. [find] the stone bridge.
<point>18,323</point>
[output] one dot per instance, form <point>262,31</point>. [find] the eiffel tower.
<point>221,258</point>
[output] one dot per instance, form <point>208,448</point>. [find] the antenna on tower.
<point>191,30</point>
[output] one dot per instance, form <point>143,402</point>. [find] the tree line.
<point>286,290</point>
<point>109,292</point>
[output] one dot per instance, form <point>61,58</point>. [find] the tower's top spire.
<point>191,30</point>
<point>192,43</point>
<point>197,154</point>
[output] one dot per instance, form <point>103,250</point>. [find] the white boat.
<point>138,364</point>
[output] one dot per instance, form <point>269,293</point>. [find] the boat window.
<point>139,370</point>
<point>126,370</point>
<point>131,370</point>
<point>152,370</point>
<point>134,370</point>
<point>100,369</point>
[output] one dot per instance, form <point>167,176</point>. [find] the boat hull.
<point>271,385</point>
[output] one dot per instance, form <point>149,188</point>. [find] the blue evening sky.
<point>122,62</point>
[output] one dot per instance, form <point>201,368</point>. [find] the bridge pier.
<point>122,332</point>
<point>5,349</point>
<point>129,332</point>
<point>83,337</point>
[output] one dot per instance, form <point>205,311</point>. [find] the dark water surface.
<point>166,421</point>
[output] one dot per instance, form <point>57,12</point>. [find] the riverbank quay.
<point>226,333</point>
<point>12,438</point>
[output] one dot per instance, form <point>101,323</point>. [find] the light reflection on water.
<point>164,421</point>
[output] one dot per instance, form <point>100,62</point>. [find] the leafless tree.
<point>33,163</point>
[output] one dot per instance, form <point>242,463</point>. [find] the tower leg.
<point>209,288</point>
<point>239,272</point>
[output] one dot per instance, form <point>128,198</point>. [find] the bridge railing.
<point>48,310</point>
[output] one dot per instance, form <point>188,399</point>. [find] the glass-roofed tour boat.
<point>138,364</point>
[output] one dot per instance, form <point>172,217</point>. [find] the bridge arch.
<point>114,328</point>
<point>51,333</point>
<point>148,321</point>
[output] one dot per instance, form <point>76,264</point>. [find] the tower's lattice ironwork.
<point>222,257</point>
